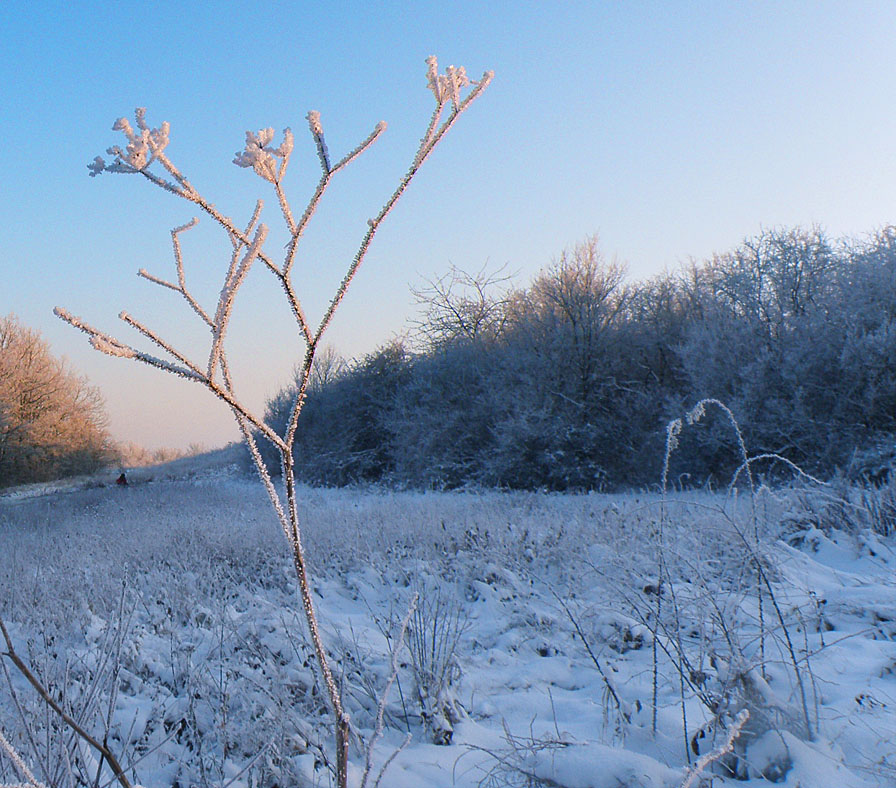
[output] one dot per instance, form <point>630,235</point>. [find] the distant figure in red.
<point>122,481</point>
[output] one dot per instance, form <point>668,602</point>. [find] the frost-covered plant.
<point>718,753</point>
<point>144,153</point>
<point>77,705</point>
<point>438,623</point>
<point>740,679</point>
<point>859,506</point>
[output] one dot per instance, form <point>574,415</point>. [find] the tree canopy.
<point>52,422</point>
<point>569,382</point>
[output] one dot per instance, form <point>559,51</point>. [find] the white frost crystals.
<point>142,149</point>
<point>448,85</point>
<point>260,156</point>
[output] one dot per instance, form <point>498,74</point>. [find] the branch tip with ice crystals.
<point>97,166</point>
<point>317,131</point>
<point>190,224</point>
<point>259,155</point>
<point>448,85</point>
<point>144,146</point>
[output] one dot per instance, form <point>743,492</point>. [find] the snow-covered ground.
<point>166,612</point>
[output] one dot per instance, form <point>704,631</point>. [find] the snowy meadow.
<point>541,650</point>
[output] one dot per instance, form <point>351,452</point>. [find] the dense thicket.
<point>52,423</point>
<point>569,382</point>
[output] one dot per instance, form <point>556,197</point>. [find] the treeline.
<point>570,382</point>
<point>133,455</point>
<point>52,423</point>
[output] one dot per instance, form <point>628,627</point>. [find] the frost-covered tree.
<point>52,422</point>
<point>145,154</point>
<point>568,383</point>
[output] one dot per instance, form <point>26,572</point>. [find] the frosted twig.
<point>187,189</point>
<point>381,706</point>
<point>19,764</point>
<point>317,131</point>
<point>259,204</point>
<point>153,337</point>
<point>263,473</point>
<point>114,347</point>
<point>361,147</point>
<point>60,712</point>
<point>181,276</point>
<point>167,185</point>
<point>328,173</point>
<point>181,286</point>
<point>284,208</point>
<point>392,757</point>
<point>774,456</point>
<point>157,281</point>
<point>719,752</point>
<point>236,276</point>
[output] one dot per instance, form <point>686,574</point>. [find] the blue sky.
<point>672,130</point>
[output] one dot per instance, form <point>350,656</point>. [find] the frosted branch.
<point>361,147</point>
<point>181,276</point>
<point>317,131</point>
<point>114,347</point>
<point>259,204</point>
<point>328,172</point>
<point>31,782</point>
<point>153,337</point>
<point>187,191</point>
<point>161,183</point>
<point>720,752</point>
<point>232,284</point>
<point>285,209</point>
<point>381,706</point>
<point>181,286</point>
<point>157,281</point>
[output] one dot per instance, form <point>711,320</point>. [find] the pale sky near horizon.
<point>672,130</point>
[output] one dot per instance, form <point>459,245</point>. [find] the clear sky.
<point>672,130</point>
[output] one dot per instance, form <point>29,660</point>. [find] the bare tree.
<point>145,155</point>
<point>463,307</point>
<point>569,308</point>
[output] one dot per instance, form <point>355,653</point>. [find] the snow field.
<point>166,612</point>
